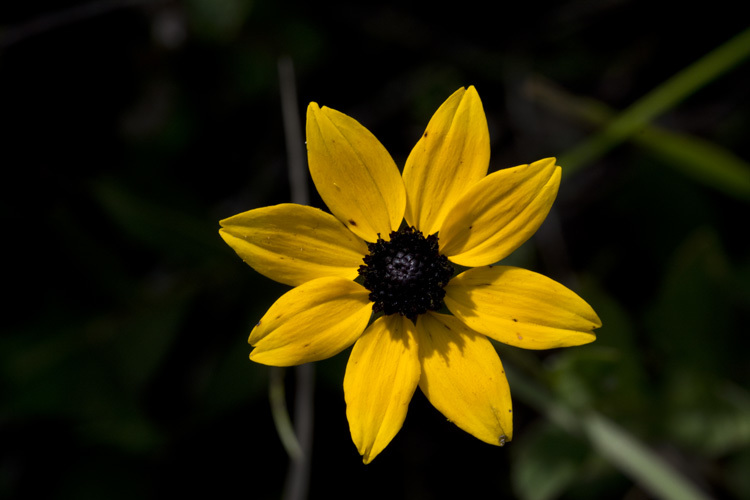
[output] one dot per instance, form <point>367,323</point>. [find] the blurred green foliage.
<point>129,128</point>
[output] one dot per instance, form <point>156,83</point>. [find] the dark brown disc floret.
<point>407,274</point>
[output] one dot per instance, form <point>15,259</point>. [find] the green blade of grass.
<point>659,100</point>
<point>692,156</point>
<point>636,460</point>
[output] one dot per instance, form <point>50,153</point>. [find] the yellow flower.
<point>454,212</point>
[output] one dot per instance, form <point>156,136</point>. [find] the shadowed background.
<point>130,128</point>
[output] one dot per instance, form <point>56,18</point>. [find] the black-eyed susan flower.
<point>388,248</point>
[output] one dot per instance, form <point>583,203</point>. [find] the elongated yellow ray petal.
<point>293,244</point>
<point>521,308</point>
<point>381,376</point>
<point>463,378</point>
<point>452,154</point>
<point>314,321</point>
<point>354,174</point>
<point>499,213</point>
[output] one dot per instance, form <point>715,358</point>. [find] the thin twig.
<point>280,413</point>
<point>293,133</point>
<point>51,21</point>
<point>298,478</point>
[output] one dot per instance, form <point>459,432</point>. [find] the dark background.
<point>128,129</point>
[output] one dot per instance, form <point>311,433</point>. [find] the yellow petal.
<point>463,378</point>
<point>293,244</point>
<point>314,321</point>
<point>354,174</point>
<point>452,154</point>
<point>521,308</point>
<point>499,213</point>
<point>381,376</point>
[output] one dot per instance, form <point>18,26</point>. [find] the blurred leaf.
<point>94,371</point>
<point>103,476</point>
<point>576,373</point>
<point>143,336</point>
<point>131,432</point>
<point>691,319</point>
<point>162,228</point>
<point>608,374</point>
<point>38,371</point>
<point>233,380</point>
<point>737,477</point>
<point>546,462</point>
<point>614,443</point>
<point>706,414</point>
<point>692,156</point>
<point>219,20</point>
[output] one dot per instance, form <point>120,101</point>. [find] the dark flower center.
<point>406,275</point>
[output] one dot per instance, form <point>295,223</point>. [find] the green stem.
<point>280,413</point>
<point>298,477</point>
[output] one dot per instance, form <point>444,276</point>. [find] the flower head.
<point>397,235</point>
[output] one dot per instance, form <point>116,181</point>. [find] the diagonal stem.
<point>48,22</point>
